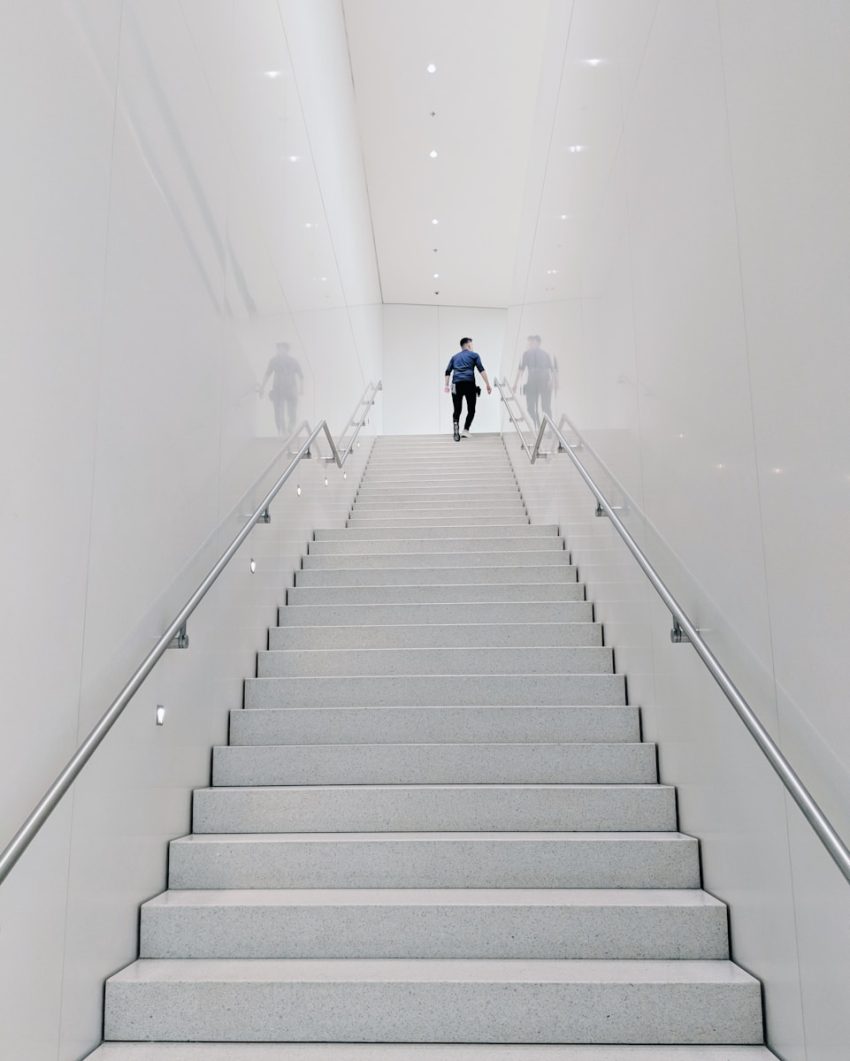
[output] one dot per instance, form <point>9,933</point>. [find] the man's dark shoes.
<point>457,432</point>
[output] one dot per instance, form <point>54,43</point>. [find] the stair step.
<point>424,690</point>
<point>357,522</point>
<point>435,506</point>
<point>436,575</point>
<point>467,530</point>
<point>482,558</point>
<point>435,860</point>
<point>438,477</point>
<point>435,635</point>
<point>328,662</point>
<point>432,1000</point>
<point>388,725</point>
<point>435,764</point>
<point>440,923</point>
<point>424,808</point>
<point>445,494</point>
<point>449,544</point>
<point>492,611</point>
<point>443,594</point>
<point>418,1052</point>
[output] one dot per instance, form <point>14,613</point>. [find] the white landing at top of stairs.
<point>418,1052</point>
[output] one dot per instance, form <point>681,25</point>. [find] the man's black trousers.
<point>464,389</point>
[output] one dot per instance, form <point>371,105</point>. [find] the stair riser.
<point>492,612</point>
<point>378,561</point>
<point>330,661</point>
<point>446,594</point>
<point>440,495</point>
<point>390,725</point>
<point>435,931</point>
<point>523,547</point>
<point>435,1012</point>
<point>365,506</point>
<point>616,808</point>
<point>479,690</point>
<point>440,478</point>
<point>437,575</point>
<point>441,862</point>
<point>490,530</point>
<point>484,635</point>
<point>421,764</point>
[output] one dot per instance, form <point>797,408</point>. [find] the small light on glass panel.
<point>564,217</point>
<point>294,158</point>
<point>777,471</point>
<point>435,221</point>
<point>345,475</point>
<point>577,149</point>
<point>431,68</point>
<point>720,467</point>
<point>253,565</point>
<point>326,480</point>
<point>681,435</point>
<point>432,154</point>
<point>298,490</point>
<point>324,279</point>
<point>551,272</point>
<point>309,224</point>
<point>160,715</point>
<point>593,62</point>
<point>273,74</point>
<point>436,276</point>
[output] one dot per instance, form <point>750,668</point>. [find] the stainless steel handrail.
<point>48,802</point>
<point>684,630</point>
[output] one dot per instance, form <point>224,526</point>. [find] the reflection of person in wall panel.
<point>541,381</point>
<point>461,368</point>
<point>287,388</point>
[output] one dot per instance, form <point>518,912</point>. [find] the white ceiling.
<point>488,55</point>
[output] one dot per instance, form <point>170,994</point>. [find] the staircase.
<point>435,822</point>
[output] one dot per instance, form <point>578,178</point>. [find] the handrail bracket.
<point>181,638</point>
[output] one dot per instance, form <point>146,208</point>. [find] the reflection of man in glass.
<point>287,387</point>
<point>541,380</point>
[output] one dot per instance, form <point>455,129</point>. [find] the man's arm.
<point>449,368</point>
<point>486,381</point>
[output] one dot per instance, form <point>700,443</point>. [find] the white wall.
<point>155,247</point>
<point>418,342</point>
<point>700,314</point>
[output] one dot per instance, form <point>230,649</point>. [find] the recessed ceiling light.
<point>593,62</point>
<point>576,149</point>
<point>431,68</point>
<point>324,279</point>
<point>432,154</point>
<point>294,158</point>
<point>564,217</point>
<point>308,224</point>
<point>435,221</point>
<point>436,276</point>
<point>272,74</point>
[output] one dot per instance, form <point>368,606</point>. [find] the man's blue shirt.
<point>464,364</point>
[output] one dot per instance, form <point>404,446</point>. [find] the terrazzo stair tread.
<point>426,807</point>
<point>427,1000</point>
<point>461,690</point>
<point>436,575</point>
<point>460,530</point>
<point>435,860</point>
<point>412,593</point>
<point>460,659</point>
<point>379,561</point>
<point>439,763</point>
<point>484,512</point>
<point>642,925</point>
<point>473,612</point>
<point>418,1052</point>
<point>389,725</point>
<point>443,478</point>
<point>436,635</point>
<point>364,546</point>
<point>459,520</point>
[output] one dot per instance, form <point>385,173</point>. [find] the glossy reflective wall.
<point>686,258</point>
<point>182,189</point>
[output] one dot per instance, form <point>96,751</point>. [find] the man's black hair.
<point>465,340</point>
